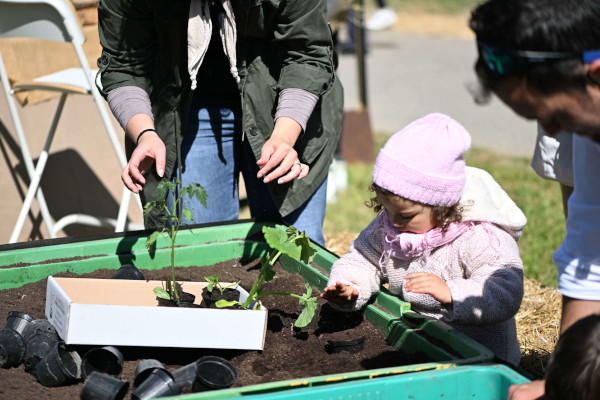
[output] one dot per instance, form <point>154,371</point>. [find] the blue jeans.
<point>213,155</point>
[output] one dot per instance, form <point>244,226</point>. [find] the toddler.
<point>573,371</point>
<point>444,239</point>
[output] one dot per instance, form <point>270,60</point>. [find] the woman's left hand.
<point>278,159</point>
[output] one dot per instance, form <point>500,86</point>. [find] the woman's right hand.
<point>149,149</point>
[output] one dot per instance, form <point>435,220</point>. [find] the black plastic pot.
<point>12,348</point>
<point>159,383</point>
<point>99,386</point>
<point>60,367</point>
<point>350,345</point>
<point>107,360</point>
<point>36,348</point>
<point>18,321</point>
<point>210,298</point>
<point>185,376</point>
<point>39,326</point>
<point>145,368</point>
<point>213,373</point>
<point>128,271</point>
<point>185,300</point>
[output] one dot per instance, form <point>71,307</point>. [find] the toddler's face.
<point>408,216</point>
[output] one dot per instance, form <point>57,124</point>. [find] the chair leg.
<point>9,94</point>
<point>36,177</point>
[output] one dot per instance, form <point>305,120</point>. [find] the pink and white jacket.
<point>482,268</point>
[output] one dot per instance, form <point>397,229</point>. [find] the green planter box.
<point>481,382</point>
<point>208,244</point>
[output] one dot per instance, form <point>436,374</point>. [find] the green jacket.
<point>281,44</point>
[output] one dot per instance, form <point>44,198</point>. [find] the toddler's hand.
<point>339,293</point>
<point>423,282</point>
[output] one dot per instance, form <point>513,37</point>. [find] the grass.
<point>539,199</point>
<point>432,6</point>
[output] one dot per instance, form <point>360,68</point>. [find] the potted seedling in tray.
<point>216,291</point>
<point>173,217</point>
<point>295,245</point>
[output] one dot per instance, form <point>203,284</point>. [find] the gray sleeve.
<point>127,101</point>
<point>297,104</point>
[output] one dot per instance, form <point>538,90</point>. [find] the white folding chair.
<point>55,20</point>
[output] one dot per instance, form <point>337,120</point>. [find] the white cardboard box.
<point>126,313</point>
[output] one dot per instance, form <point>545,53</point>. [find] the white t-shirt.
<point>578,258</point>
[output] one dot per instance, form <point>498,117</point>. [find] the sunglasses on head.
<point>509,62</point>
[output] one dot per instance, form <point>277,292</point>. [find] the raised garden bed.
<point>416,343</point>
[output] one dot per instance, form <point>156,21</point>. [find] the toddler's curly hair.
<point>444,215</point>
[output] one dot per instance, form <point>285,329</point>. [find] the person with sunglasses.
<point>542,59</point>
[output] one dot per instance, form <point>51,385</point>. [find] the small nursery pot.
<point>39,326</point>
<point>145,368</point>
<point>12,348</point>
<point>18,321</point>
<point>159,383</point>
<point>36,348</point>
<point>128,271</point>
<point>185,300</point>
<point>350,345</point>
<point>185,376</point>
<point>107,360</point>
<point>210,298</point>
<point>59,367</point>
<point>213,373</point>
<point>99,386</point>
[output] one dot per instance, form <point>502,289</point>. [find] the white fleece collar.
<point>200,31</point>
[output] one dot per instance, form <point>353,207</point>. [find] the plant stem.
<point>258,282</point>
<point>282,294</point>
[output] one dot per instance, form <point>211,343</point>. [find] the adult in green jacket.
<point>206,89</point>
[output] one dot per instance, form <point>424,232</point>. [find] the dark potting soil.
<point>289,352</point>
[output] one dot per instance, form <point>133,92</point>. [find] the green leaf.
<point>149,207</point>
<point>151,241</point>
<point>212,282</point>
<point>199,193</point>
<point>278,240</point>
<point>162,188</point>
<point>225,303</point>
<point>162,293</point>
<point>269,273</point>
<point>308,312</point>
<point>308,251</point>
<point>308,290</point>
<point>187,213</point>
<point>292,232</point>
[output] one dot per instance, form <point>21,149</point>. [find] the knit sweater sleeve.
<point>359,268</point>
<point>491,288</point>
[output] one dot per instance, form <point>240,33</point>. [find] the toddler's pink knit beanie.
<point>424,161</point>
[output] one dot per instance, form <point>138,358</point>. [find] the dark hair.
<point>444,215</point>
<point>573,371</point>
<point>539,25</point>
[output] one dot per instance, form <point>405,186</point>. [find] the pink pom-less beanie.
<point>424,161</point>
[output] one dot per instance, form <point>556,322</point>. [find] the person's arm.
<point>127,36</point>
<point>359,269</point>
<point>303,39</point>
<point>492,288</point>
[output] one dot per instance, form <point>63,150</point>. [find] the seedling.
<point>213,282</point>
<point>297,246</point>
<point>172,219</point>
